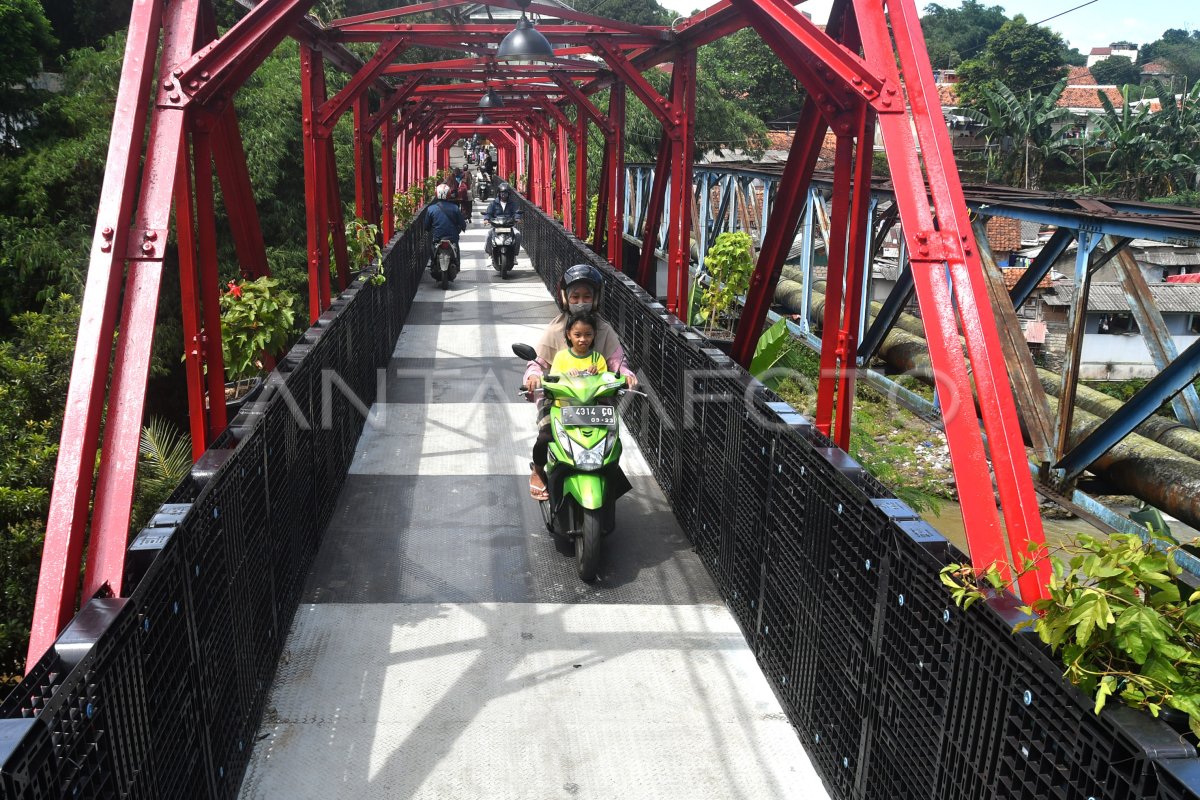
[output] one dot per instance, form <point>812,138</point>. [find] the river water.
<point>949,522</point>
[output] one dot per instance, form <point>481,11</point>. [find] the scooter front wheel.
<point>587,545</point>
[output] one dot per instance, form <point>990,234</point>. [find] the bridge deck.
<point>445,648</point>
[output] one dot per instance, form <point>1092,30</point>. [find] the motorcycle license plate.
<point>590,416</point>
<point>504,230</point>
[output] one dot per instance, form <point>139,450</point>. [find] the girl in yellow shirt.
<point>579,358</point>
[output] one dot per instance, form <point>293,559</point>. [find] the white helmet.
<point>442,191</point>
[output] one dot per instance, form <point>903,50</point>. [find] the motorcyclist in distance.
<point>444,219</point>
<point>503,205</point>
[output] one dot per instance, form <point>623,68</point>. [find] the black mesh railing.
<point>159,695</point>
<point>894,691</point>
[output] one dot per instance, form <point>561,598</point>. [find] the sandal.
<point>536,491</point>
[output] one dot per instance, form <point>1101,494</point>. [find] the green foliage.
<point>1116,617</point>
<point>955,34</point>
<point>404,209</point>
<point>362,241</point>
<point>1115,71</point>
<point>1177,48</point>
<point>770,349</point>
<point>165,459</point>
<point>1029,130</point>
<point>729,263</point>
<point>256,318</point>
<point>25,39</point>
<point>745,72</point>
<point>1021,56</point>
<point>34,368</point>
<point>1150,153</point>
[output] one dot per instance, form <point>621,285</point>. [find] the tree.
<point>745,71</point>
<point>955,34</point>
<point>25,39</point>
<point>1125,136</point>
<point>1030,130</point>
<point>1020,56</point>
<point>639,12</point>
<point>34,368</point>
<point>1115,71</point>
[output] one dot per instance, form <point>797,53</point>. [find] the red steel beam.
<point>683,147</point>
<point>117,470</point>
<point>59,572</point>
<point>856,257</point>
<point>332,110</point>
<point>781,229</point>
<point>189,294</point>
<point>998,409</point>
<point>218,69</point>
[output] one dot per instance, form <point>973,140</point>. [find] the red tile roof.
<point>1156,68</point>
<point>1080,76</point>
<point>1088,97</point>
<point>1011,276</point>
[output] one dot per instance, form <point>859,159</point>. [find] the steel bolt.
<point>106,248</point>
<point>193,85</point>
<point>886,103</point>
<point>107,233</point>
<point>147,248</point>
<point>168,83</point>
<point>891,90</point>
<point>857,81</point>
<point>204,75</point>
<point>924,251</point>
<point>174,97</point>
<point>177,73</point>
<point>150,236</point>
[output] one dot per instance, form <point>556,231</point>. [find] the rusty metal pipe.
<point>1165,475</point>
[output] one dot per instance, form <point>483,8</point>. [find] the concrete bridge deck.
<point>444,647</point>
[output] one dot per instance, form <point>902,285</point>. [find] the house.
<point>1113,348</point>
<point>1098,54</point>
<point>1082,97</point>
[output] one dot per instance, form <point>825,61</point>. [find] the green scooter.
<point>583,472</point>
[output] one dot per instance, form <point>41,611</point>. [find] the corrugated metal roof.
<point>1169,298</point>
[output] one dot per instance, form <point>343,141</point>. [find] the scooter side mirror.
<point>524,352</point>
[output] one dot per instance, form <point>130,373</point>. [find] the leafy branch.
<point>1116,617</point>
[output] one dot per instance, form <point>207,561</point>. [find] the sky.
<point>1095,25</point>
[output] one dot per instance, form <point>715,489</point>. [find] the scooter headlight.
<point>586,459</point>
<point>560,434</point>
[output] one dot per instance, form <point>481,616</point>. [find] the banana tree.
<point>1127,135</point>
<point>1031,130</point>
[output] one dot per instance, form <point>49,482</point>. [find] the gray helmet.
<point>580,273</point>
<point>503,188</point>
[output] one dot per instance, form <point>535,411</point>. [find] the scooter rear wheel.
<point>505,265</point>
<point>587,545</point>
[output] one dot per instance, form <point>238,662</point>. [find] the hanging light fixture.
<point>525,44</point>
<point>482,119</point>
<point>491,99</point>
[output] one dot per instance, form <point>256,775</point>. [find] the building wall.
<point>1118,357</point>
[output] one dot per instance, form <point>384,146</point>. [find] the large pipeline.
<point>1155,471</point>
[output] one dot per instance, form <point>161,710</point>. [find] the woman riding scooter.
<point>579,290</point>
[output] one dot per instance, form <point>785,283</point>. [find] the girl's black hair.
<point>583,316</point>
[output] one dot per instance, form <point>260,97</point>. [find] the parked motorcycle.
<point>583,472</point>
<point>504,245</point>
<point>445,263</point>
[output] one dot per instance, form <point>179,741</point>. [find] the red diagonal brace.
<point>332,110</point>
<point>221,67</point>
